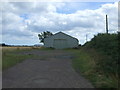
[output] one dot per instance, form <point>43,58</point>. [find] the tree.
<point>43,35</point>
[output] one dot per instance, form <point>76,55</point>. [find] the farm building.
<point>60,40</point>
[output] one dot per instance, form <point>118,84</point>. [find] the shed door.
<point>60,43</point>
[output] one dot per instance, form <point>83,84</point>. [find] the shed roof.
<point>62,33</point>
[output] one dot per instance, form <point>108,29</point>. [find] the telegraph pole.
<point>106,24</point>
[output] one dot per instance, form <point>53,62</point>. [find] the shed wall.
<point>71,42</point>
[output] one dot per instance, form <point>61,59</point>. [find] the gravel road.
<point>53,70</point>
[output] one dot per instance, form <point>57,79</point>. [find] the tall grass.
<point>107,46</point>
<point>85,64</point>
<point>97,60</point>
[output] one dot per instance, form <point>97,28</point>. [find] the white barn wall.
<point>72,42</point>
<point>48,42</point>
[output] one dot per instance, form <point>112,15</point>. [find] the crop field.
<point>12,48</point>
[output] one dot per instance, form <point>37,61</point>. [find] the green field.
<point>11,56</point>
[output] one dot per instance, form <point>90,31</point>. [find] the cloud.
<point>13,25</point>
<point>30,7</point>
<point>27,19</point>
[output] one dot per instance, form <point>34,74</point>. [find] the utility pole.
<point>106,24</point>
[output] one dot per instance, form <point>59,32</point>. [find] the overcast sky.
<point>22,21</point>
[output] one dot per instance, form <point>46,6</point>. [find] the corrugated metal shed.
<point>60,40</point>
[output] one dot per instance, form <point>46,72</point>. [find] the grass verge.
<point>84,63</point>
<point>10,56</point>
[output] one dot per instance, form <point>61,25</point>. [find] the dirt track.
<point>53,70</point>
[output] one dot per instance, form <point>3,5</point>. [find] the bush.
<point>107,45</point>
